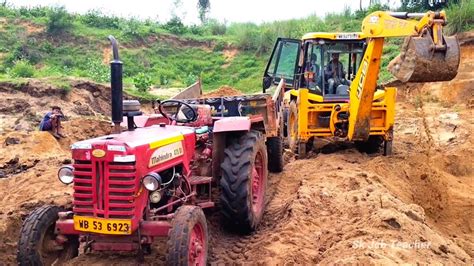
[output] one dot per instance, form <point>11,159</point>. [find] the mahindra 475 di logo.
<point>166,153</point>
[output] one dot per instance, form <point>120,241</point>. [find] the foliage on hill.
<point>50,42</point>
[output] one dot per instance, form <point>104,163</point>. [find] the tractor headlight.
<point>152,181</point>
<point>65,174</point>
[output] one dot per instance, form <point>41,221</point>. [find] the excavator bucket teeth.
<point>420,62</point>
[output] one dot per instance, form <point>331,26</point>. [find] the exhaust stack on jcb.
<point>430,56</point>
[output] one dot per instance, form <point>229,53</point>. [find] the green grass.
<point>461,17</point>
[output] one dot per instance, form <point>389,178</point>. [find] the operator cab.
<point>323,63</point>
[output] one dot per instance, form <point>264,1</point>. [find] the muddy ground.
<point>337,206</point>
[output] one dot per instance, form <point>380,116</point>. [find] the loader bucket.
<point>419,61</point>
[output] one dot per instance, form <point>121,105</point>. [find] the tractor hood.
<point>121,147</point>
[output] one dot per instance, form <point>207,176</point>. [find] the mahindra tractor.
<point>143,183</point>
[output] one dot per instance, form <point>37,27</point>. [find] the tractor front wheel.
<point>243,182</point>
<point>188,237</point>
<point>38,243</point>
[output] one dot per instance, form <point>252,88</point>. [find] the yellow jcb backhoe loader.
<point>330,79</point>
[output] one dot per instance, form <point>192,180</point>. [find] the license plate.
<point>103,226</point>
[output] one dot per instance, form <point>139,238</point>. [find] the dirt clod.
<point>223,91</point>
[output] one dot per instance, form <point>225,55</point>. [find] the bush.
<point>130,28</point>
<point>460,16</point>
<point>22,69</point>
<point>196,30</point>
<point>58,20</point>
<point>190,79</point>
<point>95,18</point>
<point>175,26</point>
<point>216,28</point>
<point>24,52</point>
<point>142,82</point>
<point>219,46</point>
<point>97,71</point>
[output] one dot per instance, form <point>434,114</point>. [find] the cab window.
<point>283,62</point>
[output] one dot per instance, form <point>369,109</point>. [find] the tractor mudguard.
<point>236,123</point>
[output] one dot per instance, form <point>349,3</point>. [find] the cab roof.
<point>334,36</point>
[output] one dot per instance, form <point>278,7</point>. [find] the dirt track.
<point>338,206</point>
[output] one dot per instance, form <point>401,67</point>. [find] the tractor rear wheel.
<point>275,154</point>
<point>188,237</point>
<point>243,182</point>
<point>38,245</point>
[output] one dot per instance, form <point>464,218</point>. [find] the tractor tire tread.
<point>236,168</point>
<point>178,242</point>
<point>275,154</point>
<point>30,234</point>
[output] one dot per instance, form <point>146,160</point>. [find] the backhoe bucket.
<point>419,61</point>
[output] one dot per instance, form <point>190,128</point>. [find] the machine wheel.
<point>243,182</point>
<point>188,237</point>
<point>275,154</point>
<point>292,127</point>
<point>302,150</point>
<point>37,244</point>
<point>372,145</point>
<point>387,147</point>
<point>285,124</point>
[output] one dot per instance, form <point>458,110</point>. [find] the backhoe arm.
<point>426,56</point>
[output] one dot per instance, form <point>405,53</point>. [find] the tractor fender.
<point>236,123</point>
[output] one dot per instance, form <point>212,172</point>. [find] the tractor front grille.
<point>104,189</point>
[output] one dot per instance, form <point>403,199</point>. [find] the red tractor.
<point>144,183</point>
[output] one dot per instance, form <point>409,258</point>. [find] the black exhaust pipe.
<point>116,86</point>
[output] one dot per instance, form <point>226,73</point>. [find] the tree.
<point>423,5</point>
<point>204,6</point>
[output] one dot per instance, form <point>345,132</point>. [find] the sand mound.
<point>223,92</point>
<point>25,104</point>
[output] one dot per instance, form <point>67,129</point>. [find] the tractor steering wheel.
<point>187,115</point>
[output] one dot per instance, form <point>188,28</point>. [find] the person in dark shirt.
<point>335,74</point>
<point>52,122</point>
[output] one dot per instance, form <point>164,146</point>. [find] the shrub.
<point>219,46</point>
<point>97,71</point>
<point>24,52</point>
<point>95,18</point>
<point>190,79</point>
<point>22,69</point>
<point>460,16</point>
<point>142,82</point>
<point>175,26</point>
<point>58,20</point>
<point>216,27</point>
<point>133,28</point>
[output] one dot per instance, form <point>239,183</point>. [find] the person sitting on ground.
<point>52,122</point>
<point>334,73</point>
